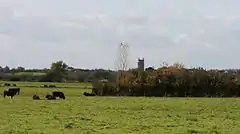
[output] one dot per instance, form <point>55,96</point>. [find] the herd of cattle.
<point>55,94</point>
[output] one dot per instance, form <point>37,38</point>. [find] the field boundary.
<point>81,87</point>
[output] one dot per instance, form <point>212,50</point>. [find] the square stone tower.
<point>141,65</point>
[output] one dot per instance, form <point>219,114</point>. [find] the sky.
<point>87,33</point>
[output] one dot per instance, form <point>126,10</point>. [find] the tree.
<point>150,69</point>
<point>20,69</point>
<point>6,69</point>
<point>57,72</point>
<point>178,65</point>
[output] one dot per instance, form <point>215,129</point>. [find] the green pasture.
<point>115,115</point>
<point>39,84</point>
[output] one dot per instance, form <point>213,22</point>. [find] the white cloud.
<point>208,45</point>
<point>180,38</point>
<point>234,17</point>
<point>86,33</point>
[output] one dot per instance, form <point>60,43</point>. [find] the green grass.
<point>79,114</point>
<point>38,84</point>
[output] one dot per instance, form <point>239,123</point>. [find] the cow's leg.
<point>11,97</point>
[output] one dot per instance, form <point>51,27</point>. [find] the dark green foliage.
<point>103,89</point>
<point>58,72</point>
<point>172,80</point>
<point>179,82</point>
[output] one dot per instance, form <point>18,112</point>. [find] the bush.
<point>177,82</point>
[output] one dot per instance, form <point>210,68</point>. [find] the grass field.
<point>79,114</point>
<point>58,85</point>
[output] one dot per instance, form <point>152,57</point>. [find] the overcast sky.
<point>86,33</point>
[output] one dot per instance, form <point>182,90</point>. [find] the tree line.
<point>173,81</point>
<point>168,80</point>
<point>57,72</point>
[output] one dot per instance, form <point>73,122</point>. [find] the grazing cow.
<point>88,94</point>
<point>36,97</point>
<point>14,85</point>
<point>9,93</point>
<point>16,90</point>
<point>7,84</point>
<point>58,94</point>
<point>50,97</point>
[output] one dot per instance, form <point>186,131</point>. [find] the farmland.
<point>80,114</point>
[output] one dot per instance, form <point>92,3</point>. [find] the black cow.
<point>16,90</point>
<point>36,97</point>
<point>88,94</point>
<point>7,84</point>
<point>58,94</point>
<point>50,97</point>
<point>9,93</point>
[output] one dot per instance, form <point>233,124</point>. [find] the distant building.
<point>141,65</point>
